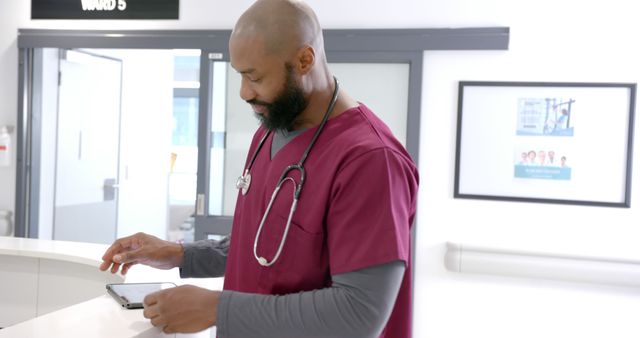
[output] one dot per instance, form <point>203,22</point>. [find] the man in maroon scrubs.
<point>335,264</point>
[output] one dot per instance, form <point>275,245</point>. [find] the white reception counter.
<point>55,289</point>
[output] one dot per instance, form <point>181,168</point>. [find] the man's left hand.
<point>184,309</point>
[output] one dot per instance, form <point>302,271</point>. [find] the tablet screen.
<point>131,295</point>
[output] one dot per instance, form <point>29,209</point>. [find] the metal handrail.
<point>541,265</point>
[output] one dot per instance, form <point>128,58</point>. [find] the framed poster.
<point>545,142</point>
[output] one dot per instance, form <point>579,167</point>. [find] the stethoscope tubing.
<point>261,260</point>
<point>244,182</point>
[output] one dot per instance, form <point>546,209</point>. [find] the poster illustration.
<point>541,164</point>
<point>545,119</point>
<point>545,116</point>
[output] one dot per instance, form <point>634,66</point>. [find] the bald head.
<point>283,25</point>
<point>278,49</point>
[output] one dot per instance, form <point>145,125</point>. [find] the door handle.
<point>109,189</point>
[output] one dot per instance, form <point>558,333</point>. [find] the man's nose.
<point>247,93</point>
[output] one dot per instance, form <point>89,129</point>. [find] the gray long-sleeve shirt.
<point>357,304</point>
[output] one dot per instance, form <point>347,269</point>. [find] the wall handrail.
<point>538,265</point>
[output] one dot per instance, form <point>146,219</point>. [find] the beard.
<point>286,107</point>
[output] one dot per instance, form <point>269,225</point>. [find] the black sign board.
<point>105,9</point>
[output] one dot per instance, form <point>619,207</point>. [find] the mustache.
<point>258,103</point>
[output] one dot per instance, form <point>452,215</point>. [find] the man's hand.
<point>144,249</point>
<point>184,309</point>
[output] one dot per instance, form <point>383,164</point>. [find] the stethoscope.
<point>244,182</point>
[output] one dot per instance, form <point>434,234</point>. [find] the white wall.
<point>550,41</point>
<point>8,91</point>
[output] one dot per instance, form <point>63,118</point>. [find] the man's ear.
<point>306,58</point>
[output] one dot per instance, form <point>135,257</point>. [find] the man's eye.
<point>255,80</point>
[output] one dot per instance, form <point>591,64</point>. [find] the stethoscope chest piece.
<point>244,182</point>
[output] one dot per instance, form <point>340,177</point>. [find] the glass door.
<point>231,125</point>
<point>228,128</point>
<point>115,144</point>
<point>87,148</point>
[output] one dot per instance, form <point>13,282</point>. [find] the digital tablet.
<point>131,295</point>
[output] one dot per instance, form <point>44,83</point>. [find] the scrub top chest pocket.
<point>303,263</point>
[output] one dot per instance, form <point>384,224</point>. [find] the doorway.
<point>87,147</point>
<point>117,145</point>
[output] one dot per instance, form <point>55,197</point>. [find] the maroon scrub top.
<point>355,211</point>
